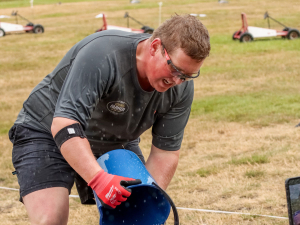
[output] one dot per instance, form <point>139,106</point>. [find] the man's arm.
<point>76,151</point>
<point>161,165</point>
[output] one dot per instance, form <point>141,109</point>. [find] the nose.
<point>177,80</point>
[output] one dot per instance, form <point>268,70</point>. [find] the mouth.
<point>167,82</point>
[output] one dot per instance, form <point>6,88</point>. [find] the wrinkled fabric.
<point>96,84</point>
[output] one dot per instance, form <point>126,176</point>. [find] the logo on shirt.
<point>117,107</point>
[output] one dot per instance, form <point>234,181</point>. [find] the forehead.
<point>184,62</point>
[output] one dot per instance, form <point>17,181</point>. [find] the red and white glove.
<point>111,189</point>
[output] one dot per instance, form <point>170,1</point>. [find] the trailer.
<point>249,33</point>
<point>30,27</point>
<point>105,26</point>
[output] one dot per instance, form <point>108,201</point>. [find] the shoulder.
<point>109,36</point>
<point>108,42</point>
<point>186,89</point>
<point>179,96</point>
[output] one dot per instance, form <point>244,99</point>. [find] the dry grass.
<point>225,164</point>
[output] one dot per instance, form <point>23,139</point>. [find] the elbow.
<point>54,127</point>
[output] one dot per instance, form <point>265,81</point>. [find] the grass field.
<point>240,143</point>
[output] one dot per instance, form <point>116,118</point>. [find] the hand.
<point>111,189</point>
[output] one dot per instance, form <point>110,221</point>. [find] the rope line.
<point>190,209</point>
<point>13,189</point>
<point>227,212</point>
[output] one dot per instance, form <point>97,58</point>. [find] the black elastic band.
<point>68,132</point>
<point>176,217</point>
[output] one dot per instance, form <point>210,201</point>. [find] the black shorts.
<point>39,163</point>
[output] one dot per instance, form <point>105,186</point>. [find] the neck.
<point>142,56</point>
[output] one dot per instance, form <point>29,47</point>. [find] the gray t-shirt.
<point>96,84</point>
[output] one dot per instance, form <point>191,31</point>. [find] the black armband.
<point>68,132</point>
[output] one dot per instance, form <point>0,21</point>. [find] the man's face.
<point>164,76</point>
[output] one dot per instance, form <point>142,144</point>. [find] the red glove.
<point>111,189</point>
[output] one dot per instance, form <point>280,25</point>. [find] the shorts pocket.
<point>11,133</point>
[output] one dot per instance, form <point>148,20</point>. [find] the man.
<point>107,90</point>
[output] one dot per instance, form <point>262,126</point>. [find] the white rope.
<point>217,211</point>
<point>74,196</point>
<point>191,209</point>
<point>13,189</point>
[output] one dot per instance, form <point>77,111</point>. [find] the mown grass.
<point>254,174</point>
<point>254,159</point>
<point>143,4</point>
<point>204,172</point>
<point>225,44</point>
<point>53,15</point>
<point>23,3</point>
<point>256,108</point>
<point>215,169</point>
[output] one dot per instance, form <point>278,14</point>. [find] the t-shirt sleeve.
<point>88,79</point>
<point>168,129</point>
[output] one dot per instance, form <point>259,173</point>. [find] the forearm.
<point>77,151</point>
<point>162,165</point>
<point>78,154</point>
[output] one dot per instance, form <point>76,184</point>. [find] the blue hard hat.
<point>148,204</point>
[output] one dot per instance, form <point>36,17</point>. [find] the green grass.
<point>23,3</point>
<point>205,172</point>
<point>258,108</point>
<point>249,160</point>
<point>4,106</point>
<point>126,6</point>
<point>254,174</point>
<point>53,15</point>
<point>4,128</point>
<point>254,159</point>
<point>223,43</point>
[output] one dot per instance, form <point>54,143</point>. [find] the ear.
<point>155,46</point>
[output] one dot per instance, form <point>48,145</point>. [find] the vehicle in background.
<point>248,33</point>
<point>30,27</point>
<point>105,26</point>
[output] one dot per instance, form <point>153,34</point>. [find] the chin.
<point>160,86</point>
<point>161,89</point>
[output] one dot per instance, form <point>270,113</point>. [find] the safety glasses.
<point>176,72</point>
